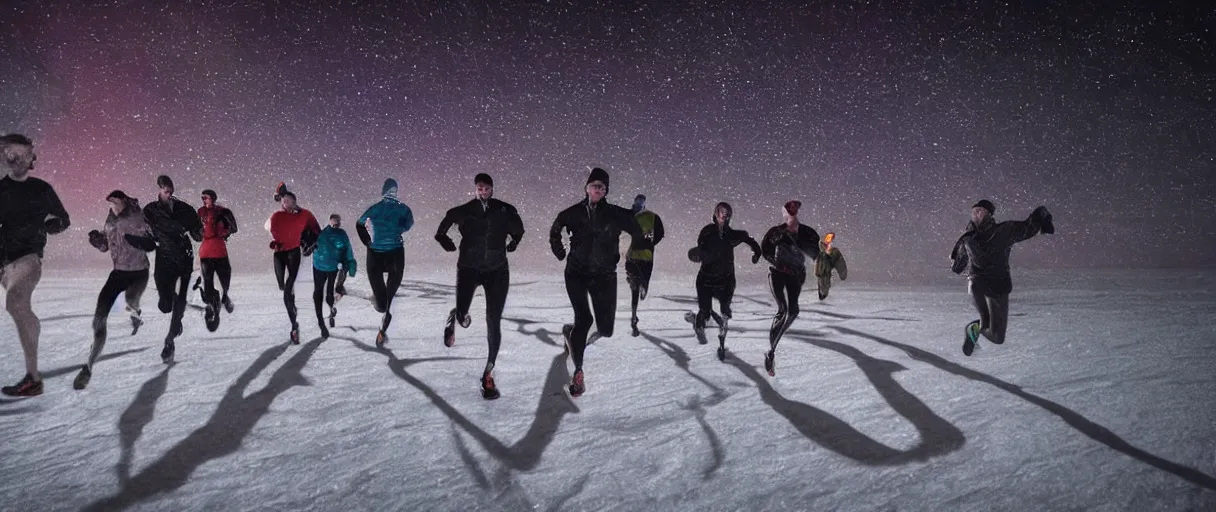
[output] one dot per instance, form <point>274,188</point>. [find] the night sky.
<point>887,120</point>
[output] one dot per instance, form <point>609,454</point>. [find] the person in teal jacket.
<point>381,228</point>
<point>333,250</point>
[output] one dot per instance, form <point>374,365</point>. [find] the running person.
<point>983,252</point>
<point>293,230</point>
<point>333,252</point>
<point>830,258</point>
<point>130,274</point>
<point>595,228</point>
<point>30,210</point>
<point>218,224</point>
<point>786,247</point>
<point>380,228</point>
<point>716,279</point>
<point>173,224</point>
<point>485,224</point>
<point>639,261</point>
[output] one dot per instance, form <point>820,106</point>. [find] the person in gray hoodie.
<point>130,274</point>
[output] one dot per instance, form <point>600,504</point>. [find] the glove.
<point>755,258</point>
<point>350,272</point>
<point>560,252</point>
<point>307,249</point>
<point>341,289</point>
<point>55,225</point>
<point>694,255</point>
<point>511,246</point>
<point>275,245</point>
<point>98,240</point>
<point>1044,217</point>
<point>447,243</point>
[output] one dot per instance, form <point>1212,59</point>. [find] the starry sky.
<point>888,120</point>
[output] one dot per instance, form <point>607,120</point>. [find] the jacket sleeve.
<point>739,236</point>
<point>627,222</point>
<point>658,230</point>
<point>348,257</point>
<point>192,223</point>
<point>768,246</point>
<point>838,264</point>
<point>704,238</point>
<point>1014,231</point>
<point>555,235</point>
<point>958,256</point>
<point>808,241</point>
<point>229,220</point>
<point>445,225</point>
<point>59,221</point>
<point>407,219</point>
<point>361,226</point>
<point>312,225</point>
<point>515,226</point>
<point>144,240</point>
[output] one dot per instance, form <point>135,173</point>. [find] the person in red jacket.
<point>218,224</point>
<point>293,231</point>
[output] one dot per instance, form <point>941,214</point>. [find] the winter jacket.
<point>595,236</point>
<point>785,250</point>
<point>333,249</point>
<point>484,228</point>
<point>218,224</point>
<point>290,230</point>
<point>642,248</point>
<point>716,247</point>
<point>29,211</point>
<point>830,259</point>
<point>390,219</point>
<point>125,255</point>
<point>983,251</point>
<point>173,224</point>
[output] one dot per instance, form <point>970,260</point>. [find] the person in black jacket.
<point>485,224</point>
<point>786,247</point>
<point>29,211</point>
<point>173,223</point>
<point>595,232</point>
<point>716,279</point>
<point>983,251</point>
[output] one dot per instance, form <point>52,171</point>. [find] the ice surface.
<point>1101,399</point>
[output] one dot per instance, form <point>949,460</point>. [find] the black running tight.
<point>286,268</point>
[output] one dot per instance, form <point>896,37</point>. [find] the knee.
<point>165,305</point>
<point>99,324</point>
<point>583,322</point>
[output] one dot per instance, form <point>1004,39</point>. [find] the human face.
<point>19,159</point>
<point>485,191</point>
<point>208,202</point>
<point>978,215</point>
<point>721,215</point>
<point>166,192</point>
<point>117,205</point>
<point>288,203</point>
<point>335,222</point>
<point>596,191</point>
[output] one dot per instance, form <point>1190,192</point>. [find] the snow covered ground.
<point>1102,399</point>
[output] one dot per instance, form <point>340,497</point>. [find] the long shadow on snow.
<point>696,405</point>
<point>524,454</point>
<point>223,434</point>
<point>137,416</point>
<point>937,436</point>
<point>1072,418</point>
<point>59,372</point>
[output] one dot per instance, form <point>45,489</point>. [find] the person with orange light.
<point>829,258</point>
